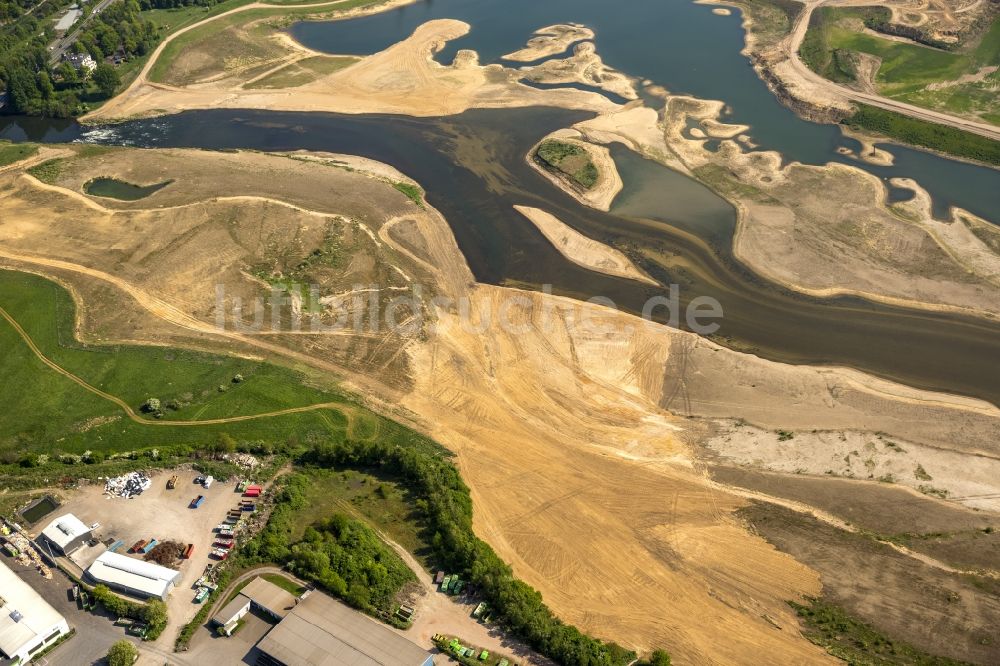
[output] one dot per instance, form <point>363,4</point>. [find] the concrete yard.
<point>161,514</point>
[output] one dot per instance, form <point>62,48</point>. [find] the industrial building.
<point>65,534</point>
<point>262,595</point>
<point>28,624</point>
<point>133,576</point>
<point>320,631</point>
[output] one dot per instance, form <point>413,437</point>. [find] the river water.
<point>472,167</point>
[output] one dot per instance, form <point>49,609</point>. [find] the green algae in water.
<point>113,188</point>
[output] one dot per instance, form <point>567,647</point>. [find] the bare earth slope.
<point>563,422</point>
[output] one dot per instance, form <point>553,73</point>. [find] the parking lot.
<point>159,513</point>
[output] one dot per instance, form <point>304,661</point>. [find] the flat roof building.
<point>66,534</point>
<point>263,595</point>
<point>127,574</point>
<point>28,623</point>
<point>320,631</point>
<point>232,613</point>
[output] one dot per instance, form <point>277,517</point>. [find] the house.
<point>133,576</point>
<point>28,624</point>
<point>64,535</point>
<point>82,62</point>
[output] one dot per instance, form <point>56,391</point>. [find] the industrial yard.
<point>157,513</point>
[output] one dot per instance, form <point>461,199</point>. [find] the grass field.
<point>908,72</point>
<point>383,503</point>
<point>15,152</point>
<point>47,412</point>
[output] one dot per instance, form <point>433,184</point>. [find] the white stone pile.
<point>127,486</point>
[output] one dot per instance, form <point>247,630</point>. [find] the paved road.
<point>799,33</point>
<point>60,46</point>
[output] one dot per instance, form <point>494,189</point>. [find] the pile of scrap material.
<point>26,555</point>
<point>127,486</point>
<point>244,460</point>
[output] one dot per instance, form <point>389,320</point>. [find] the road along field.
<point>566,424</point>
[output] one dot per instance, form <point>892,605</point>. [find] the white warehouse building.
<point>65,534</point>
<point>135,577</point>
<point>28,624</point>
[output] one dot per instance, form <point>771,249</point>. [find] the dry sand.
<point>581,250</point>
<point>402,79</point>
<point>551,40</point>
<point>584,66</point>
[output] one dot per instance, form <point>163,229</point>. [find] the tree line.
<point>446,509</point>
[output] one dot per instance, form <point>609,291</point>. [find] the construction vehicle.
<point>172,482</point>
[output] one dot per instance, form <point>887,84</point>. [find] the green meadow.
<point>46,412</point>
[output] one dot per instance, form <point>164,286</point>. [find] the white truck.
<point>208,481</point>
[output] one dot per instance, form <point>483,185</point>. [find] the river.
<point>472,167</point>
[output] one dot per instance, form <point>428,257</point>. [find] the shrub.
<point>122,653</point>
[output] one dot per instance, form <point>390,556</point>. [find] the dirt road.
<point>812,78</point>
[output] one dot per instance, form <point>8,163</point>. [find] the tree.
<point>152,405</point>
<point>122,653</point>
<point>659,658</point>
<point>155,613</point>
<point>106,78</point>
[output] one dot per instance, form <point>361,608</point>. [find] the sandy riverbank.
<point>402,79</point>
<point>581,250</point>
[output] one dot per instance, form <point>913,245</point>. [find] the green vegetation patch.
<point>855,642</point>
<point>15,152</point>
<point>285,583</point>
<point>928,135</point>
<point>48,171</point>
<point>908,71</point>
<point>415,194</point>
<point>340,554</point>
<point>569,159</point>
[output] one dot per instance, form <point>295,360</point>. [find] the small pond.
<point>39,509</point>
<point>113,188</point>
